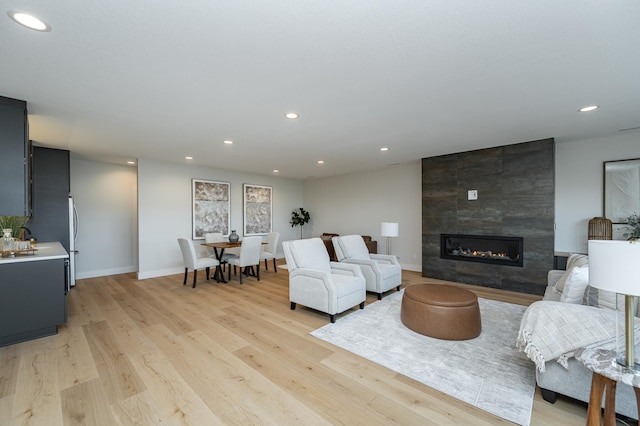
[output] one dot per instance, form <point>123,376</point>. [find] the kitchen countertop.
<point>44,251</point>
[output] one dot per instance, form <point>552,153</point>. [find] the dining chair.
<point>249,257</point>
<point>192,261</point>
<point>269,250</point>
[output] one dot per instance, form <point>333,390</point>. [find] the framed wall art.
<point>257,209</point>
<point>210,207</point>
<point>621,189</point>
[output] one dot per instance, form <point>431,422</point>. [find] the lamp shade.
<point>615,266</point>
<point>389,229</point>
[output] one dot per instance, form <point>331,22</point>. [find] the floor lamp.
<point>615,266</point>
<point>389,229</point>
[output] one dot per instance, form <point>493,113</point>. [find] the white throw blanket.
<point>554,330</point>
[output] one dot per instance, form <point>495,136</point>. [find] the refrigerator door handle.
<point>76,223</point>
<point>66,276</point>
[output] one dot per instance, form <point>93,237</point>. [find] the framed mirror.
<point>621,189</point>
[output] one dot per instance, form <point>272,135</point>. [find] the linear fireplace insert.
<point>482,248</point>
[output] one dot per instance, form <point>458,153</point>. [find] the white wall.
<point>164,210</point>
<point>105,197</point>
<point>579,185</point>
<point>358,203</point>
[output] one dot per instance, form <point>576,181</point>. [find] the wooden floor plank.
<point>74,361</point>
<point>174,398</point>
<point>9,363</point>
<point>115,371</point>
<point>82,404</point>
<point>37,397</point>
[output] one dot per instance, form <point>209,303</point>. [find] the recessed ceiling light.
<point>291,115</point>
<point>589,108</point>
<point>29,21</point>
<point>320,161</point>
<point>276,171</point>
<point>131,162</point>
<point>228,142</point>
<point>188,158</point>
<point>384,149</point>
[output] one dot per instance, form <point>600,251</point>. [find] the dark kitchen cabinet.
<point>50,185</point>
<point>14,150</point>
<point>33,299</point>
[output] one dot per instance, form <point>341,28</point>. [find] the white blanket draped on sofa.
<point>554,330</point>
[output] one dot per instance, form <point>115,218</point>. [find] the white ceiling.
<point>118,80</point>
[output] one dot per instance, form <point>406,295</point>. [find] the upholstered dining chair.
<point>318,283</point>
<point>382,272</point>
<point>191,260</point>
<point>249,257</point>
<point>269,250</point>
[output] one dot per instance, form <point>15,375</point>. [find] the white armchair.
<point>319,284</point>
<point>382,272</point>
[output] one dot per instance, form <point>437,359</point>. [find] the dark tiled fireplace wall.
<point>515,185</point>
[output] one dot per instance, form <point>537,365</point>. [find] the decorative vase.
<point>233,237</point>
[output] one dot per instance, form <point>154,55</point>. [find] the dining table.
<point>218,250</point>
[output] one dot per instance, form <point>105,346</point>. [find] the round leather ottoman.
<point>441,311</point>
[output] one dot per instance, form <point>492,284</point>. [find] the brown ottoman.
<point>441,311</point>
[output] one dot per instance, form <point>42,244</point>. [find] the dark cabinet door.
<point>50,194</point>
<point>32,299</point>
<point>14,188</point>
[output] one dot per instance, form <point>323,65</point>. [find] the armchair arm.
<point>385,258</point>
<point>315,289</point>
<point>345,269</point>
<point>311,279</point>
<point>359,262</point>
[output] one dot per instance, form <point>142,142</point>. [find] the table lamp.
<point>389,229</point>
<point>615,266</point>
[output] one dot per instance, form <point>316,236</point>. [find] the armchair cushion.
<point>308,254</point>
<point>350,247</point>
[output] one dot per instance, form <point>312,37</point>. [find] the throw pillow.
<point>575,260</point>
<point>575,285</point>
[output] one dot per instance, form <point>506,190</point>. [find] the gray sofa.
<point>575,381</point>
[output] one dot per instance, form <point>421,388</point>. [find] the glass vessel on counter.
<point>7,240</point>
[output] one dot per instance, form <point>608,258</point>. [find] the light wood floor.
<point>157,352</point>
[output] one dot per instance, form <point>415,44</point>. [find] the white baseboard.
<point>105,272</point>
<point>409,267</point>
<point>160,273</point>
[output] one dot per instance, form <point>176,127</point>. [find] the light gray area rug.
<point>487,372</point>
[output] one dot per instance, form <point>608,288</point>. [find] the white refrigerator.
<point>73,235</point>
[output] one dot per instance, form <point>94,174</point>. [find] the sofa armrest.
<point>553,276</point>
